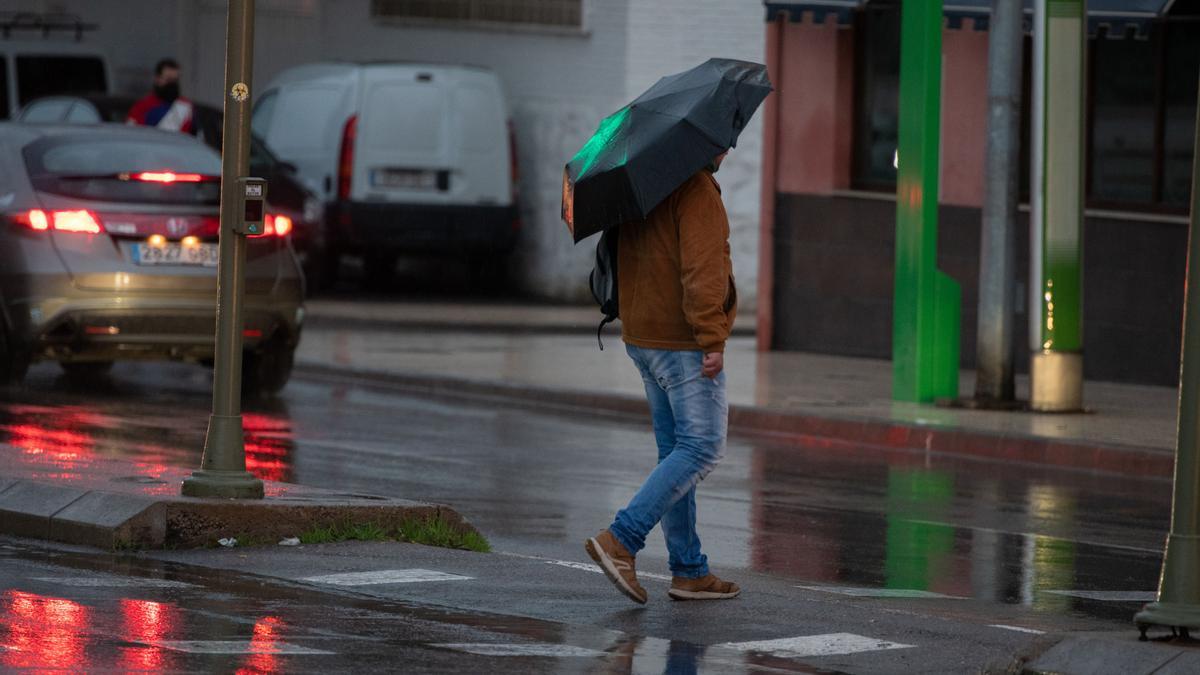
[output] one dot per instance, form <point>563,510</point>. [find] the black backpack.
<point>603,279</point>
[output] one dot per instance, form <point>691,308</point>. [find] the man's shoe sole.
<point>677,594</point>
<point>606,565</point>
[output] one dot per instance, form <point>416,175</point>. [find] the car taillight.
<point>275,226</point>
<point>346,157</point>
<point>63,221</point>
<point>167,177</point>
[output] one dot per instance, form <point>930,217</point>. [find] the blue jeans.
<point>690,416</point>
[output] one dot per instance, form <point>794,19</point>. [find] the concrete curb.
<point>844,433</point>
<point>115,519</point>
<point>486,327</point>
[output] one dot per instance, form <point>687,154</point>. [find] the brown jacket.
<point>675,275</point>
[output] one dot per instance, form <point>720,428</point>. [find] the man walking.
<point>677,305</point>
<point>164,107</point>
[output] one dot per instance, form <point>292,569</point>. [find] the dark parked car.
<point>108,251</point>
<point>285,192</point>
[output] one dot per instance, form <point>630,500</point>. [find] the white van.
<point>409,158</point>
<point>31,69</point>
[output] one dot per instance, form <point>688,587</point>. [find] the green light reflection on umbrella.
<point>598,143</point>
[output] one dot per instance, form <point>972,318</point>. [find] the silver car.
<point>108,251</point>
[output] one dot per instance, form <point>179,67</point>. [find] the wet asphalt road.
<point>995,544</point>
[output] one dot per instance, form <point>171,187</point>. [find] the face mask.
<point>168,91</point>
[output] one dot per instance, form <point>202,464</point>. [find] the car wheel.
<point>13,364</point>
<point>267,371</point>
<point>86,370</point>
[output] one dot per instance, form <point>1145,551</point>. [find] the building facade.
<point>565,65</point>
<point>826,278</point>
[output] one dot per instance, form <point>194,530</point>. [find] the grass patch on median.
<point>437,532</point>
<point>428,531</point>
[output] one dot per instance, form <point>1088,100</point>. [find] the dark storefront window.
<point>3,89</point>
<point>877,97</point>
<point>1142,97</point>
<point>1179,110</point>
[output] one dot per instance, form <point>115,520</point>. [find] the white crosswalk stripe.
<point>881,592</point>
<point>832,644</point>
<point>233,647</point>
<point>1019,629</point>
<point>589,567</point>
<point>521,649</point>
<point>409,576</point>
<point>112,582</point>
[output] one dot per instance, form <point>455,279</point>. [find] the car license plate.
<point>408,179</point>
<point>202,255</point>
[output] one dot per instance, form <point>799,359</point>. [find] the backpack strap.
<point>604,322</point>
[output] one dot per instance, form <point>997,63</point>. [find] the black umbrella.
<point>642,152</point>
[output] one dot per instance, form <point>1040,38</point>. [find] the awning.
<point>815,11</point>
<point>1114,18</point>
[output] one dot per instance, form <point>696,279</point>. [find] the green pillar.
<point>927,304</point>
<point>1056,251</point>
<point>1179,588</point>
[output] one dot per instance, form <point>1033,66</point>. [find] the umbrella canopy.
<point>642,152</point>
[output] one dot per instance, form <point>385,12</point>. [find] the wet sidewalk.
<point>844,402</point>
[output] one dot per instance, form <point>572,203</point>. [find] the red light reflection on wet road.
<point>42,632</point>
<point>264,640</point>
<point>146,621</point>
<point>269,442</point>
<point>62,451</point>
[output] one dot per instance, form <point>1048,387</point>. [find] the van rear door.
<point>430,135</point>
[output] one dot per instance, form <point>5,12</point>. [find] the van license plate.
<point>408,179</point>
<point>203,255</point>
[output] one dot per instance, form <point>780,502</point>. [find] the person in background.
<point>164,108</point>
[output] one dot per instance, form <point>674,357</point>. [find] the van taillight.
<point>346,157</point>
<point>513,168</point>
<point>84,222</point>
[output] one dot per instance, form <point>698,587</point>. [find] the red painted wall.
<point>964,115</point>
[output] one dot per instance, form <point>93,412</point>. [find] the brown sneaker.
<point>617,563</point>
<point>705,588</point>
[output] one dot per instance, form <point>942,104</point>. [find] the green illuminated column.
<point>1056,223</point>
<point>927,304</point>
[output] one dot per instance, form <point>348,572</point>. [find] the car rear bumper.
<point>422,228</point>
<point>110,329</point>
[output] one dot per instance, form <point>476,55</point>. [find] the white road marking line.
<point>233,647</point>
<point>1110,596</point>
<point>881,592</point>
<point>521,649</point>
<point>1031,631</point>
<point>113,582</point>
<point>589,567</point>
<point>833,644</point>
<point>410,576</point>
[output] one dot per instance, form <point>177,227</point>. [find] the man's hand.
<point>713,364</point>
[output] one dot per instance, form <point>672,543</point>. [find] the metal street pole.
<point>1056,219</point>
<point>223,469</point>
<point>927,303</point>
<point>997,247</point>
<point>1178,603</point>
